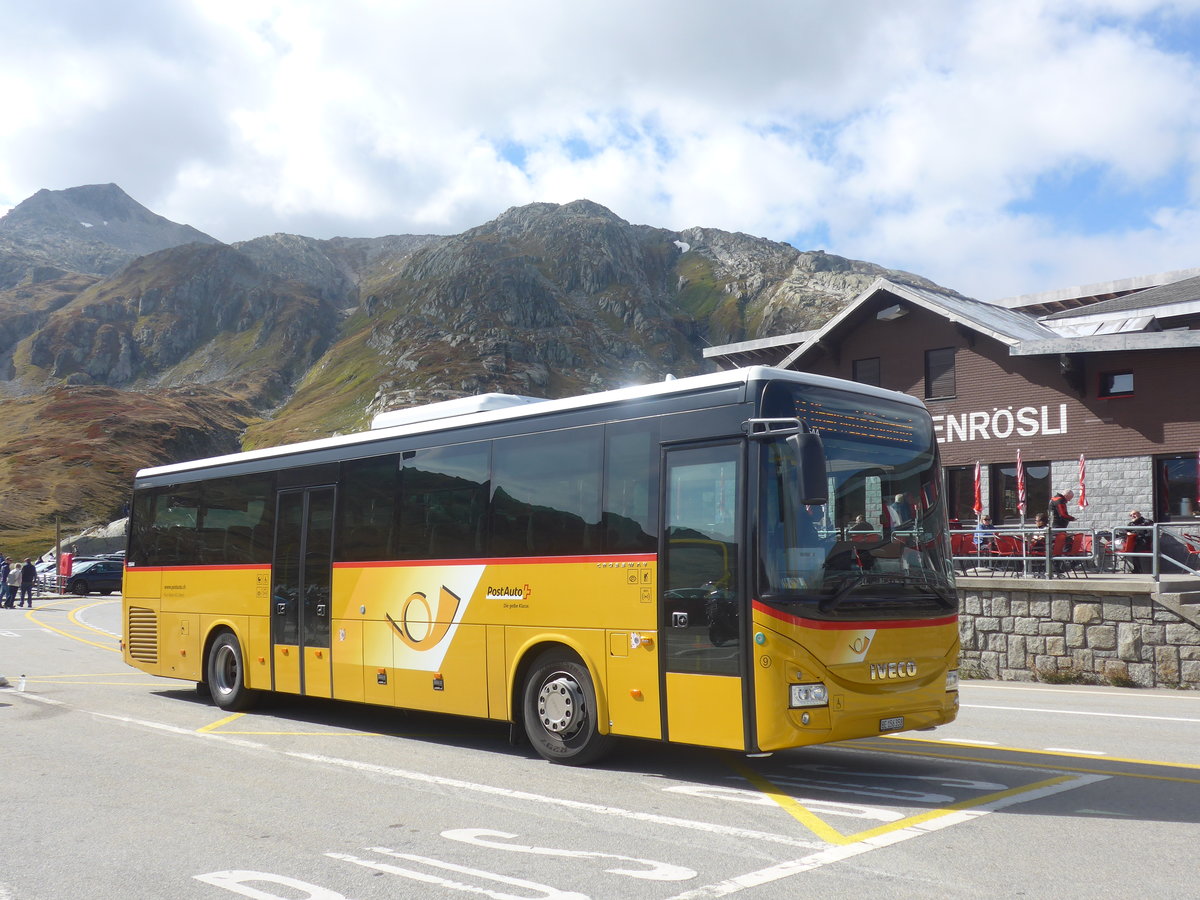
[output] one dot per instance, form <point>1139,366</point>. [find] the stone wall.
<point>1115,486</point>
<point>1119,633</point>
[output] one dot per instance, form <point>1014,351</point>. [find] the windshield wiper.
<point>829,604</point>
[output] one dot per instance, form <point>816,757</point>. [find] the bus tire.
<point>226,673</point>
<point>560,711</point>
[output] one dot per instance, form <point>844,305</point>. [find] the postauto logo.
<point>508,593</point>
<point>418,625</point>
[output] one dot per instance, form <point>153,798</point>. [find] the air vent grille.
<point>141,635</point>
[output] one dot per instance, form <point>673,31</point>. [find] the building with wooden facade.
<point>1108,372</point>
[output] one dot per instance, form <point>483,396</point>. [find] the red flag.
<point>978,507</point>
<point>1020,485</point>
<point>1082,483</point>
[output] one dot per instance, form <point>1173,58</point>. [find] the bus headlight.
<point>952,680</point>
<point>808,695</point>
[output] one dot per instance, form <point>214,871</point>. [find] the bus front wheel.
<point>560,711</point>
<point>227,674</point>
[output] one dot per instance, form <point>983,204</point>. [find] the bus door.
<point>701,602</point>
<point>301,578</point>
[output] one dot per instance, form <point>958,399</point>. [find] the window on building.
<point>1115,384</point>
<point>960,493</point>
<point>1176,487</point>
<point>1003,494</point>
<point>939,373</point>
<point>866,371</point>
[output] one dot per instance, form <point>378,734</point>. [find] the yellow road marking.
<point>73,615</point>
<point>1140,762</point>
<point>217,724</point>
<point>93,675</point>
<point>29,614</point>
<point>828,833</point>
<point>1116,773</point>
<point>51,679</point>
<point>309,733</point>
<point>961,806</point>
<point>790,805</point>
<point>225,721</point>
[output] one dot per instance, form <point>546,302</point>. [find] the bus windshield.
<point>879,548</point>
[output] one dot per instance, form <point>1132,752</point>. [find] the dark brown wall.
<point>1163,415</point>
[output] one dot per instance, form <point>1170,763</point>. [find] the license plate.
<point>893,724</point>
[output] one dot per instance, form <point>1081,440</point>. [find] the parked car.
<point>102,575</point>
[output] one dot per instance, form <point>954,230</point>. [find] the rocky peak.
<point>335,268</point>
<point>94,228</point>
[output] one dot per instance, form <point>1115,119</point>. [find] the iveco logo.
<point>880,671</point>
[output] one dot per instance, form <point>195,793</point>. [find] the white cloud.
<point>923,135</point>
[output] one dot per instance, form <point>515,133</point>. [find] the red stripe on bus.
<point>498,561</point>
<point>220,567</point>
<point>416,563</point>
<point>820,625</point>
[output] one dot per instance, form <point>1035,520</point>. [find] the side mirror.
<point>810,463</point>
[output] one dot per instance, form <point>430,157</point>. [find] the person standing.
<point>901,511</point>
<point>1059,520</point>
<point>11,583</point>
<point>1059,517</point>
<point>28,578</point>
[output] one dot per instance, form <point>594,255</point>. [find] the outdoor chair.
<point>963,546</point>
<point>1006,551</point>
<point>1192,543</point>
<point>1121,549</point>
<point>1079,554</point>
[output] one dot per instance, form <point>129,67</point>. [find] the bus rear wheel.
<point>560,711</point>
<point>227,674</point>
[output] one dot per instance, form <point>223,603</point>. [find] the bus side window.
<point>367,522</point>
<point>631,488</point>
<point>233,512</point>
<point>443,503</point>
<point>546,498</point>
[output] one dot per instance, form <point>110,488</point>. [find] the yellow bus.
<point>708,560</point>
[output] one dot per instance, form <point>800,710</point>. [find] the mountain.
<point>94,229</point>
<point>286,337</point>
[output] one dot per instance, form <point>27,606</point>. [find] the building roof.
<point>1132,321</point>
<point>1066,299</point>
<point>760,352</point>
<point>1007,326</point>
<point>1178,298</point>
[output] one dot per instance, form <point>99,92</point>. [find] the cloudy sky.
<point>998,147</point>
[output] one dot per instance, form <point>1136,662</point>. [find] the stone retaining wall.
<point>1122,634</point>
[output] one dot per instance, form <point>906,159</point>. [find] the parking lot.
<point>124,785</point>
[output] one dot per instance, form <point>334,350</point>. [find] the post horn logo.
<point>860,644</point>
<point>419,627</point>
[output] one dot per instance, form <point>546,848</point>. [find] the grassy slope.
<point>71,454</point>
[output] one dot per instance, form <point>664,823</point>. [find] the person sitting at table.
<point>1037,541</point>
<point>1142,542</point>
<point>985,533</point>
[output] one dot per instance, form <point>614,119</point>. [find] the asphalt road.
<point>114,784</point>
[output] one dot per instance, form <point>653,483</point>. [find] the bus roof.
<point>523,408</point>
